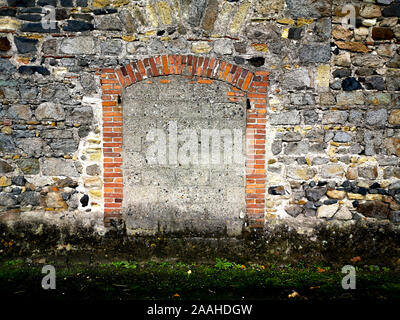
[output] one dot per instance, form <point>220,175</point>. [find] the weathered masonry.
<point>105,106</point>
<point>210,198</point>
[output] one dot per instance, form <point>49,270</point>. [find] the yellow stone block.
<point>201,47</point>
<point>304,21</point>
<point>119,3</point>
<point>261,47</point>
<point>336,194</point>
<point>150,33</point>
<point>285,33</point>
<point>373,197</point>
<point>5,181</point>
<point>355,196</point>
<point>34,36</point>
<point>96,194</point>
<point>362,160</point>
<point>164,12</point>
<point>7,130</point>
<point>394,117</point>
<point>95,156</point>
<point>8,24</point>
<point>285,21</point>
<point>239,16</point>
<point>323,74</point>
<point>128,38</point>
<point>92,182</point>
<point>151,15</point>
<point>101,3</point>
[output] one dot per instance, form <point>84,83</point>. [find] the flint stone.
<point>59,167</point>
<point>315,53</point>
<point>376,118</point>
<point>377,83</point>
<point>7,200</point>
<point>29,198</point>
<point>350,84</point>
<point>343,214</point>
<point>285,118</point>
<point>6,67</point>
<point>108,23</point>
<point>78,45</point>
<point>50,111</point>
<point>296,80</point>
<point>5,167</point>
<point>341,136</point>
<point>315,194</point>
<point>328,212</point>
<point>25,45</point>
<point>29,166</point>
<point>82,115</point>
<point>293,211</point>
<point>6,143</point>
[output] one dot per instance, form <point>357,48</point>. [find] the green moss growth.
<point>222,280</point>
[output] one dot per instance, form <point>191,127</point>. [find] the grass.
<point>179,281</point>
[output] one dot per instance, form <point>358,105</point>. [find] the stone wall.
<point>333,115</point>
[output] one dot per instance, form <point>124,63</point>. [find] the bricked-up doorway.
<point>173,198</point>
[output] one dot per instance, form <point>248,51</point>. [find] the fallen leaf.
<point>294,295</point>
<point>321,269</point>
<point>317,287</point>
<point>176,295</point>
<point>355,259</point>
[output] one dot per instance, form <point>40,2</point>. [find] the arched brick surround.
<point>253,85</point>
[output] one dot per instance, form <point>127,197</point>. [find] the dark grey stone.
<point>377,83</point>
<point>7,200</point>
<point>315,53</point>
<point>6,67</point>
<point>29,166</point>
<point>30,17</point>
<point>5,167</point>
<point>197,9</point>
<point>29,198</point>
<point>78,26</point>
<point>392,11</point>
<point>295,33</point>
<point>18,180</point>
<point>21,3</point>
<point>25,45</point>
<point>8,12</point>
<point>293,211</point>
<point>315,194</point>
<point>64,146</point>
<point>350,84</point>
<point>6,143</point>
<point>30,70</point>
<point>84,200</point>
<point>341,73</point>
<point>38,27</point>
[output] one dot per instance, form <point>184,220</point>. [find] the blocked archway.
<point>251,85</point>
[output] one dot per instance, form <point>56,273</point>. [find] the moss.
<point>150,280</point>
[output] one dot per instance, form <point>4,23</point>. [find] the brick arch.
<point>252,84</point>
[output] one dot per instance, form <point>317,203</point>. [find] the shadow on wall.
<point>192,221</point>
